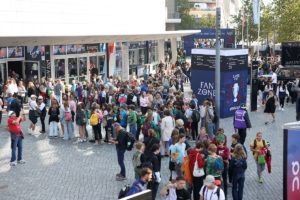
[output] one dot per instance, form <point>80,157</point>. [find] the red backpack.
<point>68,116</point>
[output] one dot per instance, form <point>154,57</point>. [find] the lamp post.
<point>217,68</point>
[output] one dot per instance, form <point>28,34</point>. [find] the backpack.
<point>136,160</point>
<point>145,128</point>
<point>255,145</point>
<point>129,139</point>
<point>94,119</point>
<point>217,192</point>
<point>219,165</point>
<point>195,116</point>
<point>124,191</point>
<point>68,116</point>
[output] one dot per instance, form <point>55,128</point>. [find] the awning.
<point>58,40</point>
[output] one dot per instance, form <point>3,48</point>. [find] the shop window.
<point>82,68</point>
<point>59,68</point>
<point>31,70</point>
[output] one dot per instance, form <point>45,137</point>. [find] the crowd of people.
<point>155,115</point>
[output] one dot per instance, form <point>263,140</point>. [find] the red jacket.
<point>200,160</point>
<point>224,152</point>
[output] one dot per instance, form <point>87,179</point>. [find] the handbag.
<point>198,172</point>
<point>261,159</point>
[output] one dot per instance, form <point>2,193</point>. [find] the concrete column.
<point>174,50</point>
<point>125,61</point>
<point>52,63</point>
<point>161,50</point>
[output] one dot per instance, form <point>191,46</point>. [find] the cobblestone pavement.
<point>59,170</point>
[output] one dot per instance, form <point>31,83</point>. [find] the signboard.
<point>228,35</point>
<point>76,48</point>
<point>15,52</point>
<point>35,52</point>
<point>254,85</point>
<point>59,50</point>
<point>290,54</point>
<point>291,159</point>
<point>234,75</point>
<point>3,52</point>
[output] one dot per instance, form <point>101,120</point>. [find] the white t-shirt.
<point>211,194</point>
<point>274,78</point>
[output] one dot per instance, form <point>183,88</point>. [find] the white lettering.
<point>295,170</point>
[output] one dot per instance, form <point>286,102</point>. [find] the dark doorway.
<point>15,69</point>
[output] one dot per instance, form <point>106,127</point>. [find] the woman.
<point>212,159</point>
<point>282,92</point>
<point>12,87</point>
<point>21,92</point>
<point>180,126</point>
<point>197,158</point>
<point>150,141</point>
<point>167,126</point>
<point>66,120</point>
<point>147,124</point>
<point>33,113</point>
<point>267,89</point>
<point>31,90</point>
<point>270,106</point>
<point>174,139</point>
<point>53,118</point>
<point>259,148</point>
<point>203,136</point>
<point>144,102</point>
<point>80,122</point>
<point>158,101</point>
<point>238,166</point>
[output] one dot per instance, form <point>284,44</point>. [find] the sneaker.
<point>260,180</point>
<point>21,162</point>
<point>121,178</point>
<point>118,175</point>
<point>273,120</point>
<point>14,163</point>
<point>42,131</point>
<point>282,109</point>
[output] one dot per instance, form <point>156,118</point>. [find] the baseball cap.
<point>209,180</point>
<point>10,113</point>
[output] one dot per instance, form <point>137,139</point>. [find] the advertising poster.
<point>59,50</point>
<point>76,48</point>
<point>92,48</point>
<point>35,52</point>
<point>293,165</point>
<point>3,52</point>
<point>15,52</point>
<point>290,54</point>
<point>233,91</point>
<point>204,85</point>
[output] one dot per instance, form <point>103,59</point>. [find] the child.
<point>203,135</point>
<point>138,159</point>
<point>80,122</point>
<point>220,136</point>
<point>94,122</point>
<point>17,137</point>
<point>224,152</point>
<point>132,121</point>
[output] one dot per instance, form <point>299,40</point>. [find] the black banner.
<point>254,85</point>
<point>290,53</point>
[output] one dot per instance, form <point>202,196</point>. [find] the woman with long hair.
<point>237,167</point>
<point>53,118</point>
<point>66,120</point>
<point>270,106</point>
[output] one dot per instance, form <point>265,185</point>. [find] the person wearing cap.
<point>42,108</point>
<point>210,191</point>
<point>14,127</point>
<point>241,122</point>
<point>121,149</point>
<point>33,113</point>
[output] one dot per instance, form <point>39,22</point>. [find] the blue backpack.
<point>219,165</point>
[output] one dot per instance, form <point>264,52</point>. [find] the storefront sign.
<point>291,163</point>
<point>35,52</point>
<point>3,52</point>
<point>92,48</point>
<point>15,52</point>
<point>59,50</point>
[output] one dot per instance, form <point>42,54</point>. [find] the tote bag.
<point>198,172</point>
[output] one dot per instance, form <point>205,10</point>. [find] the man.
<point>141,184</point>
<point>241,122</point>
<point>15,104</point>
<point>210,191</point>
<point>121,148</point>
<point>177,190</point>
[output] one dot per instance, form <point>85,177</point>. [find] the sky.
<point>267,1</point>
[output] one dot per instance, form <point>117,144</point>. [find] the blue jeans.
<point>68,130</point>
<point>132,129</point>
<point>237,188</point>
<point>14,144</point>
<point>211,130</point>
<point>120,154</point>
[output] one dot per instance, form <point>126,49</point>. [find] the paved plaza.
<point>59,170</point>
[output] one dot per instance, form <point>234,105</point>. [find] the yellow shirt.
<point>259,145</point>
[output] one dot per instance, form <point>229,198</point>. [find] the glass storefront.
<point>82,68</point>
<point>3,72</point>
<point>59,69</point>
<point>32,70</point>
<point>153,51</point>
<point>137,54</point>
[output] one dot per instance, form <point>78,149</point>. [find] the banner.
<point>35,53</point>
<point>291,163</point>
<point>256,11</point>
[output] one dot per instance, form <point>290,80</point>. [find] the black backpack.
<point>217,192</point>
<point>129,139</point>
<point>215,119</point>
<point>196,116</point>
<point>124,191</point>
